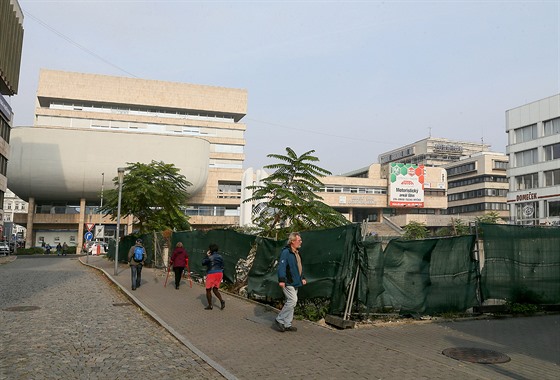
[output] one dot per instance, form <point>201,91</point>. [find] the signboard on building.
<point>406,185</point>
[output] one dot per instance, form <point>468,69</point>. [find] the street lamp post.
<point>120,172</point>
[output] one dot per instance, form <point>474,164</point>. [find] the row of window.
<point>530,132</point>
<point>486,206</point>
<point>229,189</point>
<point>461,169</point>
<point>531,156</point>
<point>199,210</point>
<point>531,180</point>
<point>478,179</point>
<point>480,193</point>
<point>115,109</point>
<point>471,167</point>
<point>353,190</point>
<point>17,206</point>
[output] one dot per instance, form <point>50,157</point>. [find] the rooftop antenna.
<point>429,131</point>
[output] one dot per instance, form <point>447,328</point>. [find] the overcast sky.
<point>348,79</point>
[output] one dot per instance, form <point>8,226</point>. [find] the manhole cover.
<point>22,308</point>
<point>476,355</point>
<point>122,304</point>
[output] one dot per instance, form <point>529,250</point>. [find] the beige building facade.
<point>87,126</point>
<point>478,185</point>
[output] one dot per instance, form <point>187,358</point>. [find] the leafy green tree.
<point>287,199</point>
<point>154,193</point>
<point>491,218</point>
<point>415,231</point>
<point>458,227</point>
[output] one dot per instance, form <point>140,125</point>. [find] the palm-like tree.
<point>287,199</point>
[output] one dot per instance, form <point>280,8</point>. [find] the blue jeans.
<point>136,274</point>
<point>286,315</point>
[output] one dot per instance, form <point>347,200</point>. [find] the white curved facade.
<point>87,125</point>
<point>65,163</point>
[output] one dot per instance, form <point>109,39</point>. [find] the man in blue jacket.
<point>290,278</point>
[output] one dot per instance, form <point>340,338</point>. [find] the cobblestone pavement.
<point>240,343</point>
<point>72,323</point>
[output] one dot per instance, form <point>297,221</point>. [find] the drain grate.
<point>122,304</point>
<point>476,355</point>
<point>22,308</point>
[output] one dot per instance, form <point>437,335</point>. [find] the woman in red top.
<point>179,261</point>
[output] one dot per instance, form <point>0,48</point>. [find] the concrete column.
<point>30,235</point>
<point>81,224</point>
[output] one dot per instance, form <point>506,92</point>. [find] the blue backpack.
<point>138,254</point>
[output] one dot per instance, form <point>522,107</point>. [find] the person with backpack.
<point>179,260</point>
<point>136,258</point>
<point>214,274</point>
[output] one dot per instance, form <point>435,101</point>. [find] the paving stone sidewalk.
<point>240,341</point>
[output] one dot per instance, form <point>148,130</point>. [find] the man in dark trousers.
<point>136,258</point>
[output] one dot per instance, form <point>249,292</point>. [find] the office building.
<point>534,162</point>
<point>478,185</point>
<point>432,151</point>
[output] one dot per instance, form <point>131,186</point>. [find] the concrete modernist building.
<point>364,195</point>
<point>478,185</point>
<point>86,126</point>
<point>432,151</point>
<point>534,156</point>
<point>11,42</point>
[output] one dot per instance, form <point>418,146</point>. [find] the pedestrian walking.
<point>64,249</point>
<point>214,274</point>
<point>179,261</point>
<point>290,279</point>
<point>136,259</point>
<point>58,249</point>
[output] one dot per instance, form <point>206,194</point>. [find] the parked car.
<point>92,249</point>
<point>4,248</point>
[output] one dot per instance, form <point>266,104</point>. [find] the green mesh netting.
<point>521,264</point>
<point>453,281</point>
<point>233,247</point>
<point>427,276</point>
<point>421,276</point>
<point>326,255</point>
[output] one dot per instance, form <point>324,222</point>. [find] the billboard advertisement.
<point>406,185</point>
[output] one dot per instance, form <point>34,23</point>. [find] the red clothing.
<point>213,280</point>
<point>179,257</point>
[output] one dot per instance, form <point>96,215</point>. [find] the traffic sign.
<point>99,231</point>
<point>88,236</point>
<point>89,226</point>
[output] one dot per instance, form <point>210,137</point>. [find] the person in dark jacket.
<point>179,261</point>
<point>214,274</point>
<point>290,278</point>
<point>136,266</point>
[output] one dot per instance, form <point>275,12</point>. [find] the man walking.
<point>136,258</point>
<point>290,278</point>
